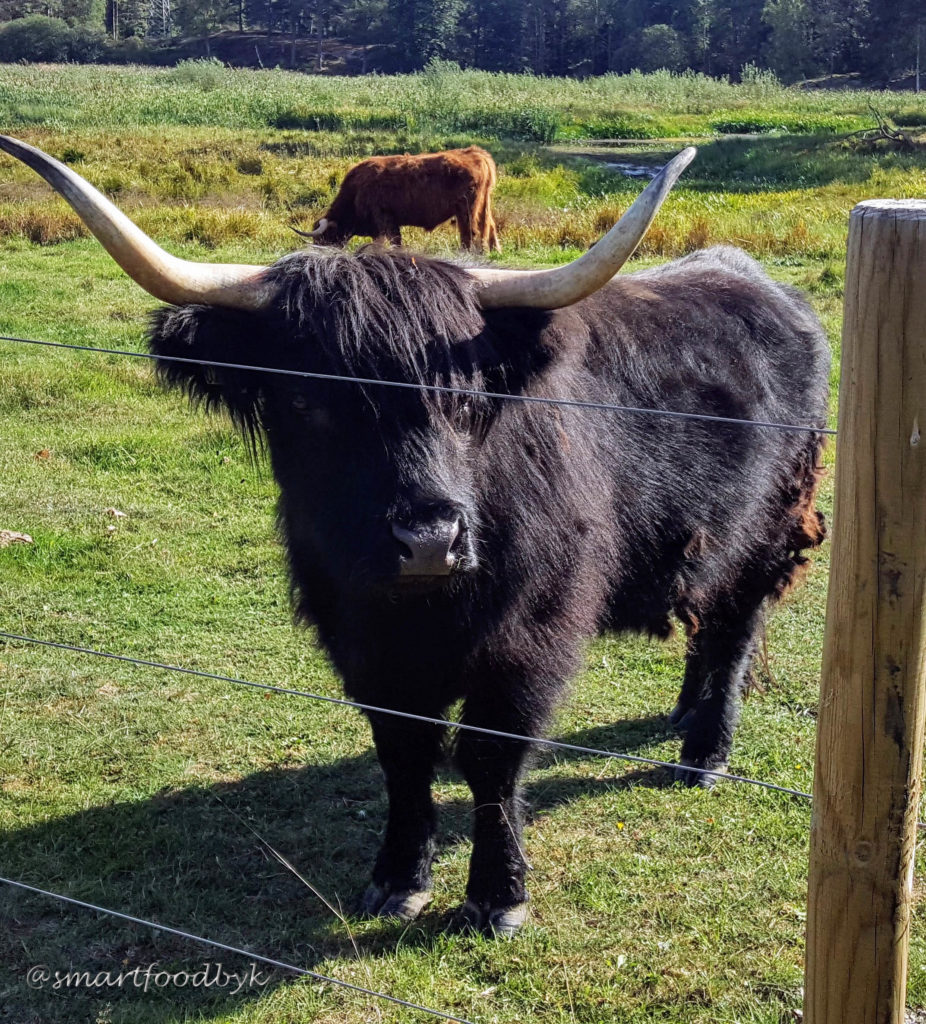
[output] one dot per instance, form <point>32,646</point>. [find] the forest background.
<point>874,42</point>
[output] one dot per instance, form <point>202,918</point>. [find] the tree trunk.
<point>293,23</point>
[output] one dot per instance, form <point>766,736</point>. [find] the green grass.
<point>123,786</point>
<point>442,98</point>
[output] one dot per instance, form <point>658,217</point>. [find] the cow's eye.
<point>314,416</point>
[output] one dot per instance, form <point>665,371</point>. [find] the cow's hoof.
<point>703,779</point>
<point>500,922</point>
<point>680,717</point>
<point>467,919</point>
<point>507,922</point>
<point>401,905</point>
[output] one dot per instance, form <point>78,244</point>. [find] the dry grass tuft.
<point>699,235</point>
<point>42,224</point>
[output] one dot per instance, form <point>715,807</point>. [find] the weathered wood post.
<point>872,700</point>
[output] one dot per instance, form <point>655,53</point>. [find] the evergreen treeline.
<point>797,39</point>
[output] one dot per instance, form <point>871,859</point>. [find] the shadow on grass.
<point>626,736</point>
<point>188,858</point>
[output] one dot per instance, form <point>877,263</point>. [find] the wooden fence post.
<point>872,700</point>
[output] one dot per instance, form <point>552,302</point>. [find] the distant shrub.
<point>311,119</point>
<point>910,120</point>
<point>523,165</point>
<point>753,123</point>
<point>532,124</point>
<point>131,50</point>
<point>623,126</point>
<point>38,38</point>
<point>207,73</point>
<point>438,94</point>
<point>307,119</point>
<point>310,195</point>
<point>443,101</point>
<point>35,38</point>
<point>526,124</point>
<point>32,113</point>
<point>760,83</point>
<point>88,45</point>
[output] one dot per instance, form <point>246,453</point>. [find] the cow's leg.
<point>465,223</point>
<point>719,671</point>
<point>690,694</point>
<point>488,231</point>
<point>494,243</point>
<point>408,753</point>
<point>496,897</point>
<point>388,230</point>
<point>479,228</point>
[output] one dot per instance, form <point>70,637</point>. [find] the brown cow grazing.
<point>385,193</point>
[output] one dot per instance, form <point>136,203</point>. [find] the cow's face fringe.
<point>347,454</point>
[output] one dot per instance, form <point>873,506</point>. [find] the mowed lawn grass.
<point>160,795</point>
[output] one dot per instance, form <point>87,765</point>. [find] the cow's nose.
<point>428,549</point>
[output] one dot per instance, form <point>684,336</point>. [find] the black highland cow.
<point>455,547</point>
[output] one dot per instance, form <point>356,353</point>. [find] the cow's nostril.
<point>457,543</point>
<point>408,541</point>
<point>429,549</point>
<point>404,550</point>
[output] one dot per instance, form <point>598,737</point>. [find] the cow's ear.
<point>211,334</point>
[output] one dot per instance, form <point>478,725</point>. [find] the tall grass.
<point>441,98</point>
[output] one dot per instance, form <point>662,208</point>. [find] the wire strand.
<point>440,388</point>
<point>374,709</point>
<point>233,949</point>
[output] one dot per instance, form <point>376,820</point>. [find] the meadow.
<point>161,795</point>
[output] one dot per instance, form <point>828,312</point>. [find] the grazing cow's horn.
<point>315,232</point>
<point>562,286</point>
<point>166,277</point>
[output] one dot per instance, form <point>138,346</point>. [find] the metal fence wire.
<point>439,388</point>
<point>408,715</point>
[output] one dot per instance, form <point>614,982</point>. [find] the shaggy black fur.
<point>573,521</point>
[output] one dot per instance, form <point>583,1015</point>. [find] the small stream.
<point>632,170</point>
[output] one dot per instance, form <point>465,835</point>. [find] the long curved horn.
<point>166,277</point>
<point>320,230</point>
<point>562,286</point>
